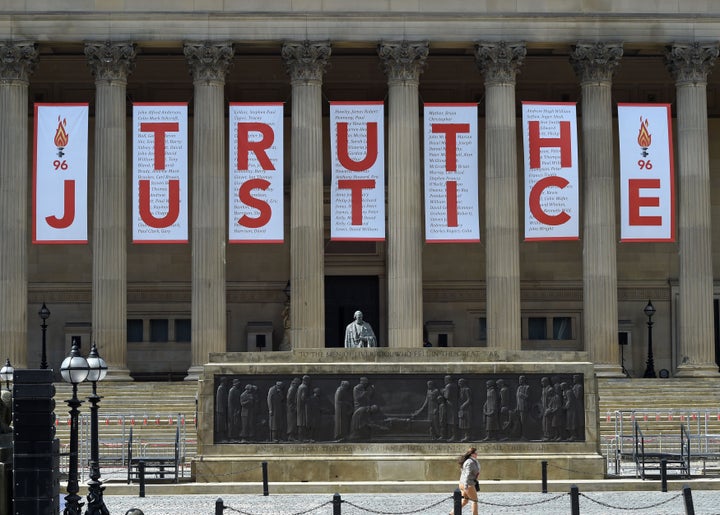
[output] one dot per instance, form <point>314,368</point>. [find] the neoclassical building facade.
<point>157,311</point>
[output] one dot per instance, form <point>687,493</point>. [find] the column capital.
<point>110,60</point>
<point>306,60</point>
<point>596,62</point>
<point>209,61</point>
<point>691,63</point>
<point>17,60</point>
<point>500,62</point>
<point>403,60</point>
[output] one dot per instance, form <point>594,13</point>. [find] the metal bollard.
<point>457,502</point>
<point>337,501</point>
<point>266,490</point>
<point>219,506</point>
<point>663,475</point>
<point>574,500</point>
<point>687,497</point>
<point>141,474</point>
<point>544,476</point>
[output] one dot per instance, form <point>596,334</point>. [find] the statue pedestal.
<point>401,430</point>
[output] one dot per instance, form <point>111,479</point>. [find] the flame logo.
<point>644,138</point>
<point>61,136</point>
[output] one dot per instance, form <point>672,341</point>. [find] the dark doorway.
<point>345,294</point>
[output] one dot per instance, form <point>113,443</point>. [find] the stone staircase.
<point>661,406</point>
<point>154,411</point>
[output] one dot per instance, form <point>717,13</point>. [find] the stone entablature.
<point>62,21</point>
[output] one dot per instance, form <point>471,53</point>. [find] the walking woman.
<point>470,470</point>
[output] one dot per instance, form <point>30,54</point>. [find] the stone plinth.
<point>404,444</point>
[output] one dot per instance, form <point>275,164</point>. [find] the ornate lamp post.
<point>74,370</point>
<point>6,373</point>
<point>98,370</point>
<point>650,364</point>
<point>44,314</point>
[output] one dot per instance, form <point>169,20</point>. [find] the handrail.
<point>639,453</point>
<point>685,448</point>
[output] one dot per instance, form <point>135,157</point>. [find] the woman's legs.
<point>470,496</point>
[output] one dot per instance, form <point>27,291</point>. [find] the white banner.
<point>647,178</point>
<point>160,173</point>
<point>357,198</point>
<point>451,173</point>
<point>551,171</point>
<point>60,173</point>
<point>256,173</point>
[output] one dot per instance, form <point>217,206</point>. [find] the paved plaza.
<point>705,502</point>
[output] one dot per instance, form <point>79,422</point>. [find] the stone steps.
<point>660,407</point>
<point>154,412</point>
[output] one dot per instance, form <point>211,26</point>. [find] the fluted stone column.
<point>306,62</point>
<point>690,65</point>
<point>500,63</point>
<point>404,62</point>
<point>17,64</point>
<point>209,62</point>
<point>111,64</point>
<point>594,65</point>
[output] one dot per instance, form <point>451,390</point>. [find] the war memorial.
<point>518,199</point>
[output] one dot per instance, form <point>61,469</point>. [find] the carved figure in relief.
<point>234,416</point>
<point>303,394</point>
<point>276,411</point>
<point>491,411</point>
<point>450,392</point>
<point>343,410</point>
<point>522,403</point>
<point>247,413</point>
<point>221,408</point>
<point>291,409</point>
<point>363,393</point>
<point>464,409</point>
<point>430,403</point>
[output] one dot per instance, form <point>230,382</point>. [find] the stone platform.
<point>407,447</point>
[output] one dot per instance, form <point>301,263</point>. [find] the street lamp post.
<point>650,364</point>
<point>98,370</point>
<point>6,373</point>
<point>44,314</point>
<point>74,370</point>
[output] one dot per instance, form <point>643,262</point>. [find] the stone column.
<point>208,63</point>
<point>17,64</point>
<point>500,63</point>
<point>306,62</point>
<point>404,62</point>
<point>594,65</point>
<point>690,65</point>
<point>111,64</point>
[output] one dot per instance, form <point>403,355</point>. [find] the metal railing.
<point>113,450</point>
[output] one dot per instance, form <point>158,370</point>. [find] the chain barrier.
<point>630,508</point>
<point>310,510</point>
<point>377,512</point>
<point>522,505</point>
<point>479,501</point>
